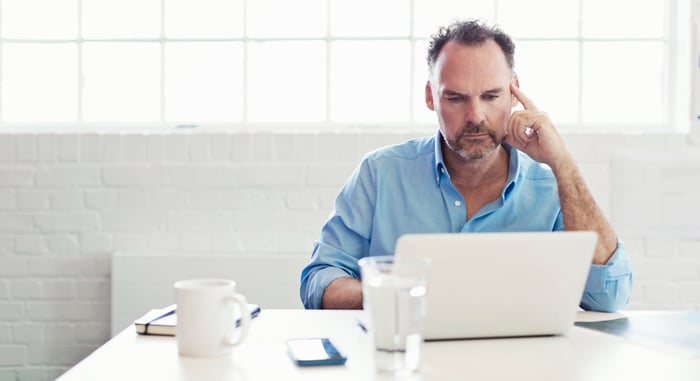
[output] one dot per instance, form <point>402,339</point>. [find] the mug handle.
<point>245,320</point>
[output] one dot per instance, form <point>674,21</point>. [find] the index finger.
<point>524,100</point>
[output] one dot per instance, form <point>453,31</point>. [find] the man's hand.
<point>532,132</point>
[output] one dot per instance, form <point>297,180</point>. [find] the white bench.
<point>143,281</point>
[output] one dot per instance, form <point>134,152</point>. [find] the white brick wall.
<point>69,200</point>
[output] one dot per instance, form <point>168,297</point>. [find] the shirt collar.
<point>513,164</point>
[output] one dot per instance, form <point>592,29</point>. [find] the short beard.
<point>478,152</point>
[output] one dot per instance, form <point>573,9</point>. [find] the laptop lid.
<point>501,284</point>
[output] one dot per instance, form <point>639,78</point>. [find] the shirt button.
<point>458,203</point>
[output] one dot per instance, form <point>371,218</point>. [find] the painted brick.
<point>63,244</point>
<point>31,244</point>
<point>7,200</point>
<point>12,355</point>
<point>227,242</point>
<point>4,289</point>
<point>268,175</point>
<point>325,175</point>
<point>7,244</point>
<point>47,149</point>
<point>68,147</point>
<point>28,333</point>
<point>661,249</point>
<point>131,175</point>
<point>53,266</point>
<point>236,199</point>
<point>133,199</point>
<point>176,147</point>
<point>665,270</point>
<point>33,200</point>
<point>305,147</point>
<point>689,249</point>
<point>155,147</point>
<point>102,267</point>
<point>68,176</point>
<point>111,147</point>
<point>94,333</point>
<point>195,242</point>
<point>302,200</point>
<point>162,241</point>
<point>7,147</point>
<point>90,148</point>
<point>35,374</point>
<point>262,147</point>
<point>16,177</point>
<point>16,223</point>
<point>283,147</point>
<point>101,199</point>
<point>689,292</point>
<point>96,243</point>
<point>57,354</point>
<point>5,334</point>
<point>129,242</point>
<point>661,292</point>
<point>67,222</point>
<point>339,147</point>
<point>11,266</point>
<point>267,199</point>
<point>130,222</point>
<point>241,147</point>
<point>67,199</point>
<point>135,148</point>
<point>60,333</point>
<point>95,290</point>
<point>67,311</point>
<point>29,289</point>
<point>26,147</point>
<point>220,146</point>
<point>199,221</point>
<point>11,311</point>
<point>169,199</point>
<point>199,147</point>
<point>59,289</point>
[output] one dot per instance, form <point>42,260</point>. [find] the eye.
<point>454,98</point>
<point>490,97</point>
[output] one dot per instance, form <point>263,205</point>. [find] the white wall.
<point>68,201</point>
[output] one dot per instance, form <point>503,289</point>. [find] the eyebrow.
<point>493,91</point>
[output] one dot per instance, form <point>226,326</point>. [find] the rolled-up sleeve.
<point>609,286</point>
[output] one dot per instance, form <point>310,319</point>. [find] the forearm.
<point>580,210</point>
<point>343,293</point>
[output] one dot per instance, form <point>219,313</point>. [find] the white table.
<point>581,354</point>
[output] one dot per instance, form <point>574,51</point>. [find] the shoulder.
<point>413,149</point>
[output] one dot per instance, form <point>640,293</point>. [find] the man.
<point>481,173</point>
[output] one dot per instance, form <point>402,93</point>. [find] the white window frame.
<point>676,111</point>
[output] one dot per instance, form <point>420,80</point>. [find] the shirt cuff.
<point>322,279</point>
<point>618,266</point>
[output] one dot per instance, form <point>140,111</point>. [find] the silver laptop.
<point>501,284</point>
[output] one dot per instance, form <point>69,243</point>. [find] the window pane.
<point>122,82</point>
<point>121,19</point>
<point>58,19</point>
<point>623,18</point>
<point>551,83</point>
<point>287,81</point>
<point>539,18</point>
<point>623,82</point>
<point>421,112</point>
<point>369,81</point>
<point>40,82</point>
<point>299,18</point>
<point>204,82</point>
<point>204,18</point>
<point>431,14</point>
<point>370,17</point>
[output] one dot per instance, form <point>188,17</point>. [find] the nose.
<point>474,111</point>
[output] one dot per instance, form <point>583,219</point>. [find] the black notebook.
<point>162,321</point>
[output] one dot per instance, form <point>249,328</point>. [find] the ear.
<point>429,96</point>
<point>513,100</point>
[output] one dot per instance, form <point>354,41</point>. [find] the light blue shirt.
<point>405,188</point>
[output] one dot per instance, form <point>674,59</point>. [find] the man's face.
<point>469,89</point>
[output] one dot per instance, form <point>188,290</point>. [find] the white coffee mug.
<point>206,321</point>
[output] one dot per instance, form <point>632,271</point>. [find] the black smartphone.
<point>314,351</point>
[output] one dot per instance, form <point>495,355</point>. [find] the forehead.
<point>471,67</point>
